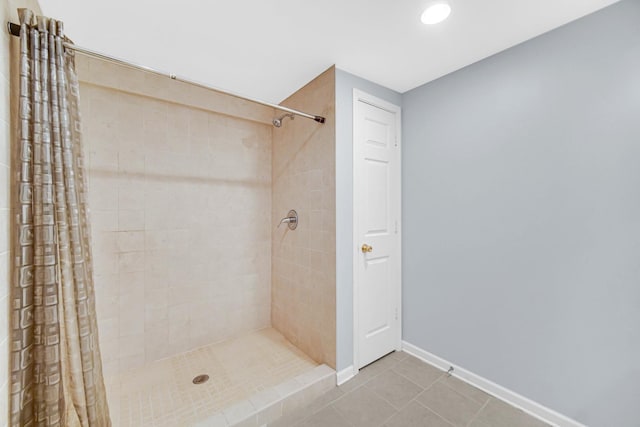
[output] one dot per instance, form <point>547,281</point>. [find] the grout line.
<point>328,403</point>
<point>432,411</point>
<point>390,416</point>
<point>479,411</point>
<point>424,388</point>
<point>341,414</point>
<point>441,416</point>
<point>440,380</point>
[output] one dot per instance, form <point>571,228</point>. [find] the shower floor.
<point>162,393</point>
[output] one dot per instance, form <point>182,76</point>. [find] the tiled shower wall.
<point>304,273</point>
<point>180,197</point>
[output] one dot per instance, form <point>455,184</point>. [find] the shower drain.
<point>201,379</point>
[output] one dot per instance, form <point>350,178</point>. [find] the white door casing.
<point>377,214</point>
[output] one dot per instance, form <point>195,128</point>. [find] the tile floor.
<point>402,391</point>
<point>162,393</point>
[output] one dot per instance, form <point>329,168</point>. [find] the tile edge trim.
<point>529,406</point>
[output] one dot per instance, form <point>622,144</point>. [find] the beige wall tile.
<point>303,265</point>
<point>130,219</point>
<point>131,345</point>
<point>156,345</point>
<point>102,220</point>
<point>128,241</point>
<point>129,262</point>
<point>181,218</point>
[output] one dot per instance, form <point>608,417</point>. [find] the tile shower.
<point>187,187</point>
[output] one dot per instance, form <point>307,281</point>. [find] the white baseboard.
<point>345,375</point>
<point>527,405</point>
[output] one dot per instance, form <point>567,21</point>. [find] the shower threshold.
<point>252,380</point>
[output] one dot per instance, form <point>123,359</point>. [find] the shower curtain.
<point>56,373</point>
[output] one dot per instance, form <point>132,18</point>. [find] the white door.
<point>377,284</point>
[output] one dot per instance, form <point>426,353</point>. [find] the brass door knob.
<point>366,248</point>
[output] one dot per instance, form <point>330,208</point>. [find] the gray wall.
<point>345,83</point>
<point>521,209</point>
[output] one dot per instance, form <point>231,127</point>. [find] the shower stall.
<point>208,312</point>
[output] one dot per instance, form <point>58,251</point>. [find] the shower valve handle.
<point>291,220</point>
<point>287,220</point>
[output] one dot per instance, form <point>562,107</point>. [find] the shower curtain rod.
<point>14,30</point>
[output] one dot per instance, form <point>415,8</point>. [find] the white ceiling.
<point>269,48</point>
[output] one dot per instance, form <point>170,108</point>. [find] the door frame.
<point>361,96</point>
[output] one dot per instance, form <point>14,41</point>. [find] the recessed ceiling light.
<point>435,13</point>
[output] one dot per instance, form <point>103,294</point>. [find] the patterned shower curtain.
<point>56,373</point>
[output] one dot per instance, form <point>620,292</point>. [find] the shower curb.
<point>268,405</point>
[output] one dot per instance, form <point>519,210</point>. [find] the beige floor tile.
<point>326,417</point>
<point>416,415</point>
<point>418,372</point>
<point>367,399</point>
<point>465,389</point>
<point>500,414</point>
<point>449,404</point>
<point>394,388</point>
<point>363,408</point>
<point>323,401</point>
<point>476,423</point>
